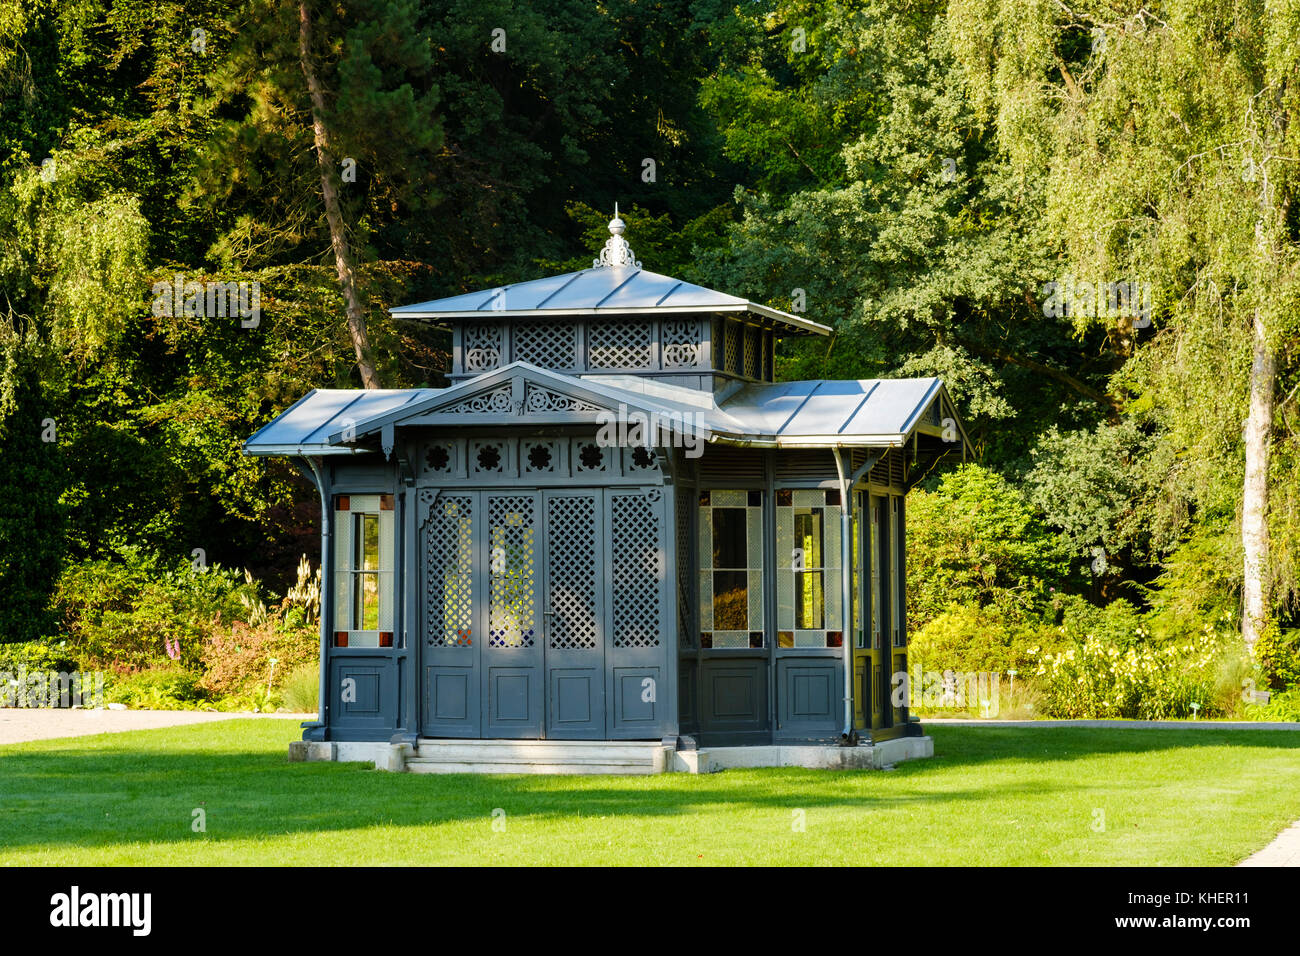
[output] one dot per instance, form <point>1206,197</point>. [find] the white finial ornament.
<point>616,252</point>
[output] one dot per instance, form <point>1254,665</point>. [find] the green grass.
<point>991,796</point>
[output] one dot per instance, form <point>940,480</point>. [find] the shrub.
<point>968,638</point>
<point>158,689</point>
<point>246,657</point>
<point>1281,706</point>
<point>1146,681</point>
<point>301,690</point>
<point>1278,654</point>
<point>129,614</point>
<point>975,541</point>
<point>47,655</point>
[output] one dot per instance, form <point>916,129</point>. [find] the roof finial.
<point>616,252</point>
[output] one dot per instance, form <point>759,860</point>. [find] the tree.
<point>31,517</point>
<point>334,129</point>
<point>1167,150</point>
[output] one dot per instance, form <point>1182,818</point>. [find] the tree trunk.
<point>1254,498</point>
<point>333,212</point>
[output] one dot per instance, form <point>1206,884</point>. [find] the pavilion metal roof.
<point>602,290</point>
<point>810,414</point>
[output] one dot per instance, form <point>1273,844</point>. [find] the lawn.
<point>991,796</point>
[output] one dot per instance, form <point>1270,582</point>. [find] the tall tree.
<point>1167,148</point>
<point>332,130</point>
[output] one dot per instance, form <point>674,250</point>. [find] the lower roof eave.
<point>812,441</point>
<point>302,451</point>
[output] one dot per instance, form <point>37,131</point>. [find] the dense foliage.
<point>1081,217</point>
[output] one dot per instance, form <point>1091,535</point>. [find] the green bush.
<point>47,655</point>
<point>1278,654</point>
<point>159,689</point>
<point>127,614</point>
<point>1146,681</point>
<point>1281,706</point>
<point>301,689</point>
<point>974,541</point>
<point>968,638</point>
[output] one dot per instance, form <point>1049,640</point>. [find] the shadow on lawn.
<point>94,795</point>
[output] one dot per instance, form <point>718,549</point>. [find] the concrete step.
<point>538,756</point>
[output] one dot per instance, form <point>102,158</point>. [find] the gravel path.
<point>18,724</point>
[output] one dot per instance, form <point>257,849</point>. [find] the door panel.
<point>638,612</point>
<point>574,615</point>
<point>449,558</point>
<point>511,655</point>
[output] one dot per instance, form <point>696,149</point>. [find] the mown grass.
<point>991,796</point>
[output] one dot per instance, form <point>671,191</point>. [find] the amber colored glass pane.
<point>785,639</point>
<point>730,601</point>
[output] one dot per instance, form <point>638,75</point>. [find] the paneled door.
<point>510,655</point>
<point>573,614</point>
<point>447,542</point>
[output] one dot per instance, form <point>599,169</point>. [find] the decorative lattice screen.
<point>546,344</point>
<point>449,565</point>
<point>571,542</point>
<point>753,364</point>
<point>682,340</point>
<point>482,346</point>
<point>512,610</point>
<point>620,345</point>
<point>635,569</point>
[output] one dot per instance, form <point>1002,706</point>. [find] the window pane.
<point>730,600</point>
<point>366,542</point>
<point>365,596</point>
<point>808,600</point>
<point>808,535</point>
<point>729,549</point>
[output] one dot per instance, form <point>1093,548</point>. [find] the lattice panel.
<point>731,355</point>
<point>753,338</point>
<point>686,635</point>
<point>619,344</point>
<point>681,341</point>
<point>482,346</point>
<point>512,601</point>
<point>573,572</point>
<point>449,585</point>
<point>635,570</point>
<point>546,344</point>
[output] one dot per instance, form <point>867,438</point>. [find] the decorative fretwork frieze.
<point>539,399</point>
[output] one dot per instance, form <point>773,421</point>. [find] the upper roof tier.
<point>615,285</point>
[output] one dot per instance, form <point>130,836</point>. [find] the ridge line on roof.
<point>635,273</point>
<point>572,279</point>
<point>660,301</point>
<point>311,433</point>
<point>797,410</point>
<point>871,391</point>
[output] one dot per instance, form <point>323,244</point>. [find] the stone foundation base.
<point>605,757</point>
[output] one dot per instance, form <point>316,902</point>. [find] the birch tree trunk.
<point>1254,498</point>
<point>329,181</point>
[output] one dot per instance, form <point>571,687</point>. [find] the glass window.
<point>879,551</point>
<point>363,568</point>
<point>809,609</point>
<point>731,569</point>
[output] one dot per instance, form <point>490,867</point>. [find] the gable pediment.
<point>511,397</point>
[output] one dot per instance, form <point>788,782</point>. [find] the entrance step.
<point>539,756</point>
